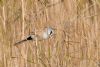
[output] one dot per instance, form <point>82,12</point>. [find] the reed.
<point>76,42</point>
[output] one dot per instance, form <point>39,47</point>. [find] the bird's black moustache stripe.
<point>51,32</point>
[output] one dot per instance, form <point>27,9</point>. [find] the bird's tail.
<point>20,42</point>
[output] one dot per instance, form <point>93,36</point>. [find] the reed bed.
<point>76,42</point>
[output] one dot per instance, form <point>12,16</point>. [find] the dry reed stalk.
<point>4,18</point>
<point>76,43</point>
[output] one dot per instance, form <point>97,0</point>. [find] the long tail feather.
<point>20,42</point>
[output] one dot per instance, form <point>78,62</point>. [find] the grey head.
<point>48,32</point>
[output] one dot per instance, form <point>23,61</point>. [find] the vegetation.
<point>76,42</point>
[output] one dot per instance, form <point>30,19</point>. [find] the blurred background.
<point>76,42</point>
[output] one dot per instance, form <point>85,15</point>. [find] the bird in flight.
<point>43,35</point>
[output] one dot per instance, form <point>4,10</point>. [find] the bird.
<point>43,35</point>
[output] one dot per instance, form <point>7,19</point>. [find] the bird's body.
<point>43,35</point>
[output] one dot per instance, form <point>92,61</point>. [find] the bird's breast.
<point>45,36</point>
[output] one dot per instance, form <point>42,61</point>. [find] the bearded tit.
<point>45,34</point>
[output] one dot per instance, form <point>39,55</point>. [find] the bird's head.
<point>48,32</point>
